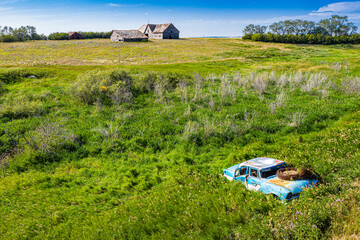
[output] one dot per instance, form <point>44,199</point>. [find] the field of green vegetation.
<point>102,140</point>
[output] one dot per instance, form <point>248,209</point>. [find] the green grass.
<point>150,165</point>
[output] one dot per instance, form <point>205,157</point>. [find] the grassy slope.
<point>149,181</point>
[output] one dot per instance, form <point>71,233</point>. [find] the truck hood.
<point>295,186</point>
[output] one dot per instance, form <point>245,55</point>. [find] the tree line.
<point>26,33</point>
<point>85,35</point>
<point>334,30</point>
<point>21,34</point>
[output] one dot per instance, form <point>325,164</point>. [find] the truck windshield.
<point>271,171</point>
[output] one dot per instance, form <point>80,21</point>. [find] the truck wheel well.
<point>275,196</point>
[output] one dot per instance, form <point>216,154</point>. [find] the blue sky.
<point>194,18</point>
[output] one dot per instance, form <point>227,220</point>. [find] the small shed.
<point>75,35</point>
<point>128,36</point>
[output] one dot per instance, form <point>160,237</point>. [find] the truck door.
<point>240,174</point>
<point>253,180</point>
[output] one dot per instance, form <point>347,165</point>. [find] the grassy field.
<point>188,55</point>
<point>102,140</point>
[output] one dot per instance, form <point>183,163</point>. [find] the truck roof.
<point>262,163</point>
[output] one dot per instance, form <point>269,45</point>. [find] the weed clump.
<point>109,87</point>
<point>42,145</point>
<point>2,88</point>
<point>16,75</point>
<point>351,86</point>
<point>21,107</point>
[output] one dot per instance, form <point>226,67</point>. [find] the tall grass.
<point>138,155</point>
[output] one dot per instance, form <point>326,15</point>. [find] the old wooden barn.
<point>75,35</point>
<point>128,36</point>
<point>160,31</point>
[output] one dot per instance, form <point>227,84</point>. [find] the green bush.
<point>146,82</point>
<point>85,35</point>
<point>91,35</point>
<point>44,145</point>
<point>21,108</point>
<point>58,36</point>
<point>2,88</point>
<point>9,76</point>
<point>304,39</point>
<point>106,87</point>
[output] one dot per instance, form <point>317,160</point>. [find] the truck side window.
<point>254,173</point>
<point>237,172</point>
<point>243,171</point>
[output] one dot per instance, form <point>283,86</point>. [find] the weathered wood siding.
<point>116,37</point>
<point>147,31</point>
<point>171,33</point>
<point>156,36</point>
<point>75,36</point>
<point>160,31</point>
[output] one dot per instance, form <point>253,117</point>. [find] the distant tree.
<point>305,39</point>
<point>289,27</point>
<point>277,28</point>
<point>337,25</point>
<point>254,29</point>
<point>32,34</point>
<point>20,34</point>
<point>283,27</point>
<point>307,27</point>
<point>23,33</point>
<point>6,30</point>
<point>334,30</point>
<point>319,31</point>
<point>295,27</point>
<point>85,35</point>
<point>58,36</point>
<point>91,35</point>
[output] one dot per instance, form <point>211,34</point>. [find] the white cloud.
<point>125,5</point>
<point>340,7</point>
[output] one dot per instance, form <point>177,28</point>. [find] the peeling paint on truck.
<point>259,174</point>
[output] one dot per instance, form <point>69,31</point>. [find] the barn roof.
<point>143,27</point>
<point>156,28</point>
<point>129,33</point>
<point>72,33</point>
<point>160,28</point>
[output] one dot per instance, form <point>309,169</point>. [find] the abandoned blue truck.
<point>259,174</point>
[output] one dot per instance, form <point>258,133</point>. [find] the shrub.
<point>146,82</point>
<point>49,138</point>
<point>21,108</point>
<point>109,86</point>
<point>171,80</point>
<point>304,39</point>
<point>43,145</point>
<point>31,158</point>
<point>2,88</point>
<point>247,37</point>
<point>351,86</point>
<point>18,74</point>
<point>58,36</point>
